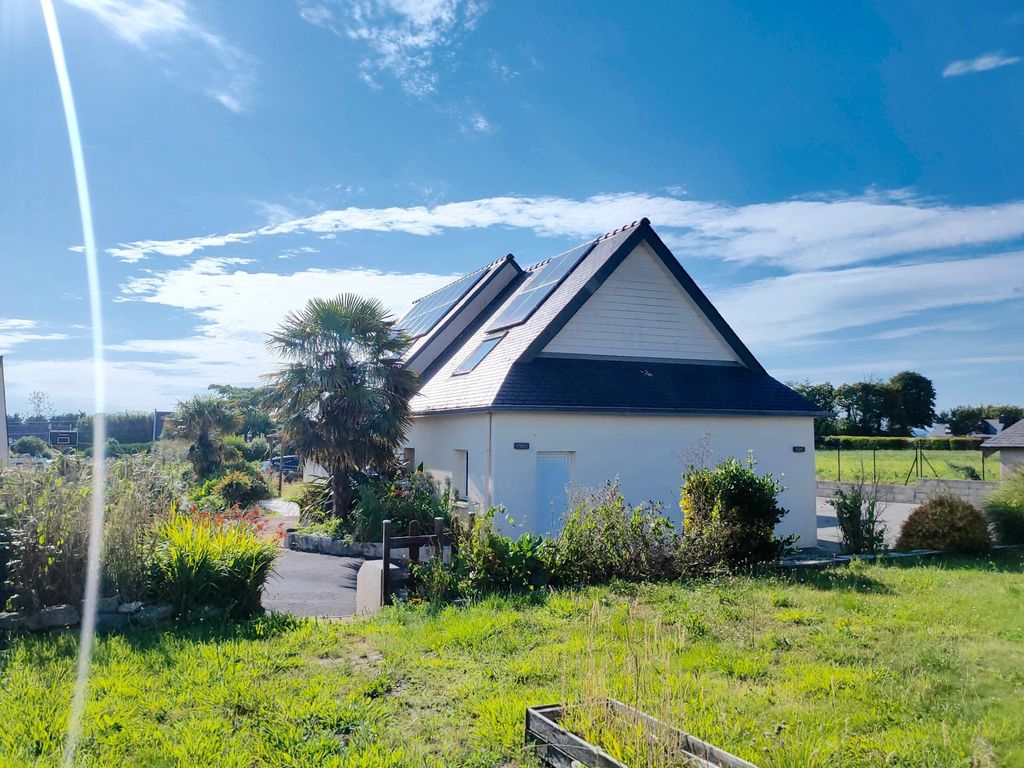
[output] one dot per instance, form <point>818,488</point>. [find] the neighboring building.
<point>1009,443</point>
<point>987,428</point>
<point>605,361</point>
<point>5,454</point>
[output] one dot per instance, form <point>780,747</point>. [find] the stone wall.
<point>974,491</point>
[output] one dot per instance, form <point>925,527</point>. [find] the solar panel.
<point>478,355</point>
<point>541,283</point>
<point>428,311</point>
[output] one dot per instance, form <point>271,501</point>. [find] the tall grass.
<point>44,519</point>
<point>1005,510</point>
<point>203,561</point>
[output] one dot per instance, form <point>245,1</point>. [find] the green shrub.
<point>257,449</point>
<point>314,501</point>
<point>485,561</point>
<point>241,489</point>
<point>1005,510</point>
<point>729,517</point>
<point>200,561</point>
<point>857,513</point>
<point>31,445</point>
<point>605,538</point>
<point>946,523</point>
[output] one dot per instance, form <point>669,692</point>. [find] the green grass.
<point>873,665</point>
<point>894,466</point>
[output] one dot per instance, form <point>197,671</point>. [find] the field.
<point>876,665</point>
<point>894,466</point>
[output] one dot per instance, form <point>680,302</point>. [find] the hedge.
<point>857,442</point>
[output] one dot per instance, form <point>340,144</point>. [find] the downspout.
<point>490,461</point>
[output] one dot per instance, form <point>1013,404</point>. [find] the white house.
<point>605,361</point>
<point>1009,443</point>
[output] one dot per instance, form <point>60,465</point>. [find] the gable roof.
<point>512,376</point>
<point>1011,437</point>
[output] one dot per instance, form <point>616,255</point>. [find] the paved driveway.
<point>890,512</point>
<point>308,584</point>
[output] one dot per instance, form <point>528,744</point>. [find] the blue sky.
<point>843,180</point>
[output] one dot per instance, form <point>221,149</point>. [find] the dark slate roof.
<point>565,384</point>
<point>1011,437</point>
<point>513,377</point>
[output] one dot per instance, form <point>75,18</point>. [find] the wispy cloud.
<point>780,309</point>
<point>796,235</point>
<point>15,331</point>
<point>152,25</point>
<point>982,63</point>
<point>403,37</point>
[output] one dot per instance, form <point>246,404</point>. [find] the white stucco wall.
<point>1011,459</point>
<point>435,440</point>
<point>646,453</point>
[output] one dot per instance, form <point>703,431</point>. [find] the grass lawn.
<point>893,466</point>
<point>873,665</point>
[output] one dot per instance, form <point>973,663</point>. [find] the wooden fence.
<point>413,541</point>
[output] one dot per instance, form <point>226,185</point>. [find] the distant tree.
<point>968,419</point>
<point>865,406</point>
<point>911,402</point>
<point>250,405</point>
<point>342,394</point>
<point>125,427</point>
<point>824,397</point>
<point>15,418</point>
<point>30,446</point>
<point>204,421</point>
<point>41,405</point>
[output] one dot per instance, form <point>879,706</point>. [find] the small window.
<point>478,355</point>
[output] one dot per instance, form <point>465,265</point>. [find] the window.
<point>478,355</point>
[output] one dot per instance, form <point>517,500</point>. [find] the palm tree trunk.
<point>341,493</point>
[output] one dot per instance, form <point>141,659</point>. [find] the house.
<point>1010,445</point>
<point>606,361</point>
<point>986,428</point>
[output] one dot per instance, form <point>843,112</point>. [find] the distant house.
<point>606,361</point>
<point>1010,445</point>
<point>987,428</point>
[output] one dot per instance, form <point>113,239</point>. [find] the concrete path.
<point>308,584</point>
<point>890,512</point>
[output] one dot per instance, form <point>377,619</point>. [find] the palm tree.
<point>342,395</point>
<point>204,420</point>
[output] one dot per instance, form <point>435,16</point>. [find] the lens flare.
<point>92,577</point>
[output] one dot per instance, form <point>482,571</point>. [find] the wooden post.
<point>414,552</point>
<point>874,466</point>
<point>982,465</point>
<point>438,533</point>
<point>839,463</point>
<point>385,571</point>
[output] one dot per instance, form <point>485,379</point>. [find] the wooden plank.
<point>385,571</point>
<point>414,549</point>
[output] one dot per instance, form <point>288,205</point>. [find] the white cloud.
<point>150,25</point>
<point>403,37</point>
<point>15,331</point>
<point>796,235</point>
<point>780,309</point>
<point>982,63</point>
<point>236,308</point>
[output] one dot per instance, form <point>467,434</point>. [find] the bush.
<point>485,561</point>
<point>729,517</point>
<point>30,446</point>
<point>946,523</point>
<point>202,561</point>
<point>257,449</point>
<point>857,513</point>
<point>605,538</point>
<point>241,489</point>
<point>1005,510</point>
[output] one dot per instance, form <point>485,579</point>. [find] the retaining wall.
<point>974,491</point>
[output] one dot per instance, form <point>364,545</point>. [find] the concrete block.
<point>53,617</point>
<point>111,621</point>
<point>368,586</point>
<point>108,604</point>
<point>11,621</point>
<point>151,615</point>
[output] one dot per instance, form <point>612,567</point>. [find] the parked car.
<point>292,466</point>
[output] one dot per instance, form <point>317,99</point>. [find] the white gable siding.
<point>641,311</point>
